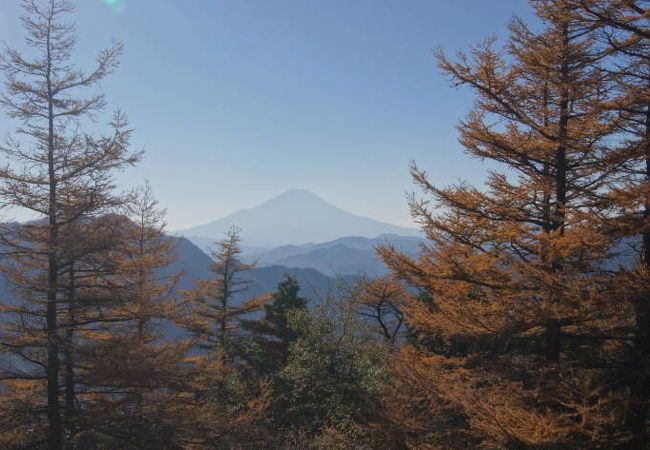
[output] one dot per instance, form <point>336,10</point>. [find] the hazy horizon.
<point>334,97</point>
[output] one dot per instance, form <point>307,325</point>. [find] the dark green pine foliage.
<point>271,335</point>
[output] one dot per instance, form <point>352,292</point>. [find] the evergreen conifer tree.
<point>271,335</point>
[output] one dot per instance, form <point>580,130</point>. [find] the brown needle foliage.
<point>64,177</point>
<point>525,324</point>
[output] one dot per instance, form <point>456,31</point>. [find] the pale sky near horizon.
<point>236,101</point>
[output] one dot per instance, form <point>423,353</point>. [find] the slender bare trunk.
<point>637,415</point>
<point>53,413</point>
<point>69,350</point>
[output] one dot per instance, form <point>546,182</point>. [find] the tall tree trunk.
<point>53,413</point>
<point>225,298</point>
<point>640,383</point>
<point>68,350</point>
<point>553,336</point>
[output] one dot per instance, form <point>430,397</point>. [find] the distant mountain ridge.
<point>195,264</point>
<point>351,255</point>
<point>295,217</point>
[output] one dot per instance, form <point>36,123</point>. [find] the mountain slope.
<point>295,217</point>
<point>194,264</point>
<point>352,255</point>
<point>339,259</point>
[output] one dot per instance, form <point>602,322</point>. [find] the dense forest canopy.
<point>523,322</point>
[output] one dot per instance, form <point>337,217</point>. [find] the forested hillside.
<point>517,317</point>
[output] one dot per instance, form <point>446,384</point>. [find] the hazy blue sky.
<point>239,100</point>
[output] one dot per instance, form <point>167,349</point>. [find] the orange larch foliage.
<point>624,31</point>
<point>63,176</point>
<point>211,307</point>
<point>231,402</point>
<point>524,327</point>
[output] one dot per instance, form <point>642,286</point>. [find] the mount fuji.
<point>295,217</point>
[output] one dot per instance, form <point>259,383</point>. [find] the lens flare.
<point>115,5</point>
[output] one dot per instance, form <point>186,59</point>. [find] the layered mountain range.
<point>194,264</point>
<point>296,234</point>
<point>318,265</point>
<point>298,229</point>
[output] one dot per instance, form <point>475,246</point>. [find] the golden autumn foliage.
<point>211,309</point>
<point>524,333</point>
<point>129,378</point>
<point>624,32</point>
<point>64,176</point>
<point>524,322</point>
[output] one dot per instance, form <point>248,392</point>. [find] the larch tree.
<point>61,176</point>
<point>85,245</point>
<point>624,32</point>
<point>130,373</point>
<point>212,306</point>
<point>233,404</point>
<point>522,327</point>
